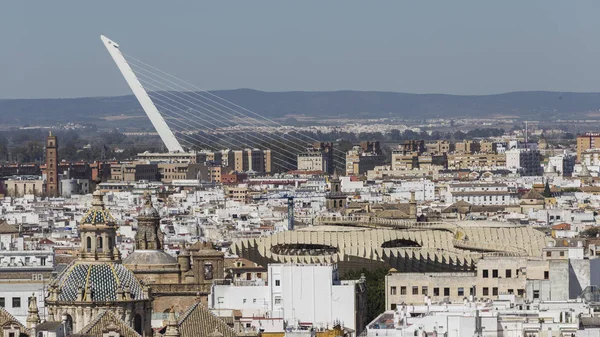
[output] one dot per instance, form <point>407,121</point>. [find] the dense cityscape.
<point>134,203</point>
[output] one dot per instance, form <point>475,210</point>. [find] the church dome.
<point>97,214</point>
<point>149,257</point>
<point>99,282</point>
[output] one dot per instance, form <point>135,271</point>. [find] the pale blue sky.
<point>52,48</point>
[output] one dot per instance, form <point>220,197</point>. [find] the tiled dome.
<point>97,214</point>
<point>101,281</point>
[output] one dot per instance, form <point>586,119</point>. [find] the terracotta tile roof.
<point>107,320</point>
<point>198,321</point>
<point>562,226</point>
<point>533,194</point>
<point>6,228</point>
<point>6,317</point>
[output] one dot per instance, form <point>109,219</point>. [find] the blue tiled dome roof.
<point>103,279</point>
<point>97,216</point>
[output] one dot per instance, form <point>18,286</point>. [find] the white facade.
<point>424,190</point>
<point>14,297</point>
<point>525,161</point>
<point>313,161</point>
<point>480,194</point>
<point>295,293</point>
<point>349,186</point>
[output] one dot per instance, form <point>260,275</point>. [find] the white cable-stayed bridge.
<point>186,116</point>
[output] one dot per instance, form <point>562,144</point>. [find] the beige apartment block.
<point>494,276</point>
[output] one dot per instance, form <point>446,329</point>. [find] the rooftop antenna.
<point>165,133</point>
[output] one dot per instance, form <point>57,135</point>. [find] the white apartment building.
<point>563,164</point>
<point>313,160</point>
<point>526,162</point>
<point>424,190</point>
<point>480,194</point>
<point>297,294</point>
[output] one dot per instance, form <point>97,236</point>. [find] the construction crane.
<point>290,203</point>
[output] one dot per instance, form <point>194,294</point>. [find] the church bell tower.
<point>51,166</point>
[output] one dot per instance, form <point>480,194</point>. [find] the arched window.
<point>109,243</point>
<point>99,244</point>
<point>137,324</point>
<point>89,244</point>
<point>68,324</point>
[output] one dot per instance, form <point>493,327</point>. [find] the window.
<point>277,283</point>
<point>402,290</point>
<point>495,291</point>
<point>393,306</point>
<point>546,275</point>
<point>511,291</point>
<point>436,291</point>
<point>424,290</point>
<point>392,290</point>
<point>415,290</point>
<point>258,275</point>
<point>2,302</point>
<point>485,273</point>
<point>16,302</point>
<point>277,300</point>
<point>508,273</point>
<point>244,300</point>
<point>536,294</point>
<point>548,254</point>
<point>495,273</point>
<point>446,291</point>
<point>254,300</point>
<point>486,291</point>
<point>562,253</point>
<point>461,291</point>
<point>520,292</point>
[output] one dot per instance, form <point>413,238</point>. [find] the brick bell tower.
<point>51,166</point>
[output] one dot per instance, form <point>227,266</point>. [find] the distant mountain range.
<point>125,111</point>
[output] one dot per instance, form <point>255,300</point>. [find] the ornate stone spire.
<point>148,235</point>
<point>585,172</point>
<point>172,325</point>
<point>33,317</point>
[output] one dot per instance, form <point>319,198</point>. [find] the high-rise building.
<point>526,162</point>
<point>364,157</point>
<point>245,160</point>
<point>317,157</point>
<point>52,166</point>
<point>313,160</point>
<point>587,141</point>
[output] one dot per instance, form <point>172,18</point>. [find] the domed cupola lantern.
<point>98,232</point>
